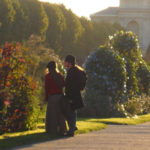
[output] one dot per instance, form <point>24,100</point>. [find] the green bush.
<point>117,78</point>
<point>143,75</point>
<point>136,106</point>
<point>39,56</point>
<point>127,46</point>
<point>17,100</point>
<point>106,85</point>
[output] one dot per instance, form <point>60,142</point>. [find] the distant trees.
<point>37,21</point>
<point>59,28</point>
<point>7,14</point>
<point>56,27</point>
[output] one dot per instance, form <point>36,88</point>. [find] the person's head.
<point>51,66</point>
<point>69,61</point>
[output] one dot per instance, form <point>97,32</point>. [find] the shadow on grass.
<point>109,123</point>
<point>14,142</point>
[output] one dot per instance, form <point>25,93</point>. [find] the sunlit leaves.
<point>16,90</point>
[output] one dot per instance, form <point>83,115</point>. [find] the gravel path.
<point>115,137</point>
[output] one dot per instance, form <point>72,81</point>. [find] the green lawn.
<point>124,121</point>
<point>85,125</point>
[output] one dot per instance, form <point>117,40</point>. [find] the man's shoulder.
<point>73,70</point>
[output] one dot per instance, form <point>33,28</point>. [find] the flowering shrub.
<point>117,74</point>
<point>126,43</point>
<point>127,46</point>
<point>106,85</point>
<point>16,91</point>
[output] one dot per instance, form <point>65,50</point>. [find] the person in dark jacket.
<point>54,83</point>
<point>72,92</point>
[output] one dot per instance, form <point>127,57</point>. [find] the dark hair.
<point>51,66</point>
<point>55,75</point>
<point>71,59</point>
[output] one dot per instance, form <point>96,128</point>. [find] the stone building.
<point>132,15</point>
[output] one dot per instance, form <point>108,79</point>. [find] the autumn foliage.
<point>16,91</point>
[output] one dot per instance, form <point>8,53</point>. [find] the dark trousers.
<point>55,121</point>
<point>72,118</point>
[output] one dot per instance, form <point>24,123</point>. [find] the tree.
<point>37,21</point>
<point>73,32</point>
<point>86,42</point>
<point>18,32</point>
<point>127,46</point>
<point>57,25</point>
<point>7,14</point>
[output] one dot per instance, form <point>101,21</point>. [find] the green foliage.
<point>38,56</point>
<point>18,30</point>
<point>16,92</point>
<point>126,43</point>
<point>6,11</point>
<point>143,75</point>
<point>106,83</point>
<point>123,94</point>
<point>37,21</point>
<point>95,34</point>
<point>7,14</point>
<point>57,25</point>
<point>73,32</point>
<point>137,106</point>
<point>59,28</point>
<point>127,46</point>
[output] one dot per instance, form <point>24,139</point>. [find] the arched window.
<point>133,26</point>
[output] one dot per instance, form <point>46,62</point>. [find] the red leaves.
<point>21,60</point>
<point>17,110</point>
<point>7,102</point>
<point>33,85</point>
<point>15,88</point>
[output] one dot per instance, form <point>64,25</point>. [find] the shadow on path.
<point>12,142</point>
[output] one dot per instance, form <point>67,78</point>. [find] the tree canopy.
<point>59,28</point>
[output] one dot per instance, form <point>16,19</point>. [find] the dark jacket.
<point>72,88</point>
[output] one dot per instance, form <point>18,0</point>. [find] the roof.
<point>108,11</point>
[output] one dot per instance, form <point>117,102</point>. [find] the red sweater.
<point>51,86</point>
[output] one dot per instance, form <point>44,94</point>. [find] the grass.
<point>11,140</point>
<point>85,125</point>
<point>124,121</point>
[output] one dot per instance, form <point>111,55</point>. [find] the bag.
<point>82,79</point>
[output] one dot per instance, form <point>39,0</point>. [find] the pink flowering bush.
<point>16,91</point>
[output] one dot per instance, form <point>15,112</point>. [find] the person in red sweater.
<point>54,83</point>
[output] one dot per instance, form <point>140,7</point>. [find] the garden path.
<point>115,137</point>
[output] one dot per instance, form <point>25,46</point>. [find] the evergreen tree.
<point>37,21</point>
<point>57,25</point>
<point>7,14</point>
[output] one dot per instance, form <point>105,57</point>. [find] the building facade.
<point>133,15</point>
